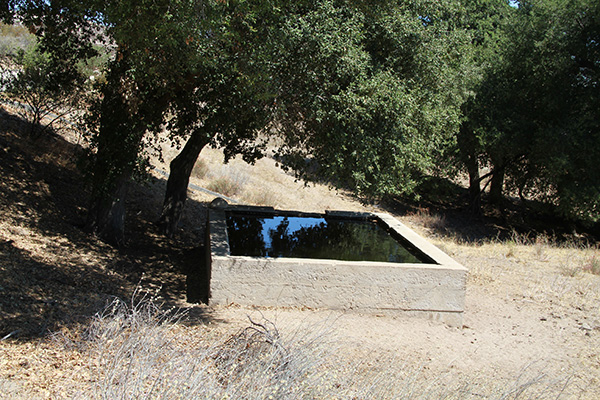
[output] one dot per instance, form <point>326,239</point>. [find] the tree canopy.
<point>368,93</point>
<point>175,63</point>
<point>372,96</point>
<point>534,115</point>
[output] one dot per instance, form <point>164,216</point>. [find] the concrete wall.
<point>433,290</point>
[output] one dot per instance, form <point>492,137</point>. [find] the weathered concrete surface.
<point>433,290</point>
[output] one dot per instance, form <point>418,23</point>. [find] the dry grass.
<point>200,169</point>
<point>262,184</point>
<point>592,266</point>
<point>561,275</point>
<point>137,350</point>
<point>433,222</point>
<point>225,186</point>
<point>260,197</point>
<point>228,180</point>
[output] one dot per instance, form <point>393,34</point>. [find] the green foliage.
<point>7,8</point>
<point>44,94</point>
<point>484,21</point>
<point>563,162</point>
<point>373,96</point>
<point>93,69</point>
<point>192,66</point>
<point>534,116</point>
<point>368,95</point>
<point>14,39</point>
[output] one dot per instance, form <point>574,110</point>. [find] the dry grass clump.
<point>260,196</point>
<point>587,261</point>
<point>139,351</point>
<point>225,186</point>
<point>200,169</point>
<point>431,221</point>
<point>592,265</point>
<point>582,256</point>
<point>227,180</point>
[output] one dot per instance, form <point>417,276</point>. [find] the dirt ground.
<point>532,312</point>
<point>520,324</point>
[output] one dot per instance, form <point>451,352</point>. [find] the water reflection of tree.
<point>245,236</point>
<point>337,239</point>
<point>329,239</point>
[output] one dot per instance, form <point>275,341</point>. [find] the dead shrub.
<point>200,169</point>
<point>592,266</point>
<point>429,220</point>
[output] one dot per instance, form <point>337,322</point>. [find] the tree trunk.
<point>469,150</point>
<point>118,141</point>
<point>113,167</point>
<point>179,178</point>
<point>474,186</point>
<point>497,186</point>
<point>106,215</point>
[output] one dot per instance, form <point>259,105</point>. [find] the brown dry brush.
<point>137,350</point>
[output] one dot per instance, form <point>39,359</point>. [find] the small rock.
<point>218,203</point>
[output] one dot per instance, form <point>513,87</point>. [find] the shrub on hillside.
<point>14,39</point>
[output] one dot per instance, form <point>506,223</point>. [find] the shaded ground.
<point>455,219</point>
<point>52,274</point>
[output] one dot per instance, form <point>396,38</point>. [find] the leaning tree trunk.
<point>179,178</point>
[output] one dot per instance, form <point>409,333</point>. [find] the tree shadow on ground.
<point>444,209</point>
<point>52,274</point>
<point>39,297</point>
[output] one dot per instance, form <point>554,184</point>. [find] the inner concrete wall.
<point>435,290</point>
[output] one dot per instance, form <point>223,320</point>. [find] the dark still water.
<point>320,238</point>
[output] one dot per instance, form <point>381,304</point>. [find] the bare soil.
<point>532,307</point>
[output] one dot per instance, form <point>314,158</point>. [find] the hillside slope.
<point>532,319</point>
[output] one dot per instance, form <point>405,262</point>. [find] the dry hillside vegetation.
<point>531,327</point>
